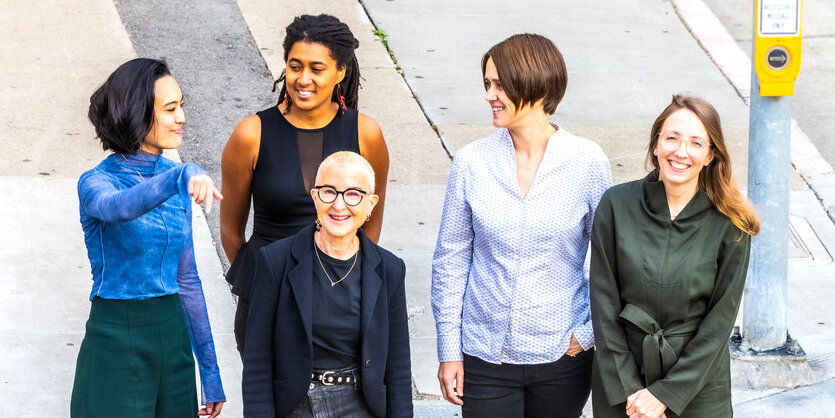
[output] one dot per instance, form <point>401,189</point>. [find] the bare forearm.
<point>232,243</point>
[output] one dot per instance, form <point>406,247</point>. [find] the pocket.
<point>579,356</point>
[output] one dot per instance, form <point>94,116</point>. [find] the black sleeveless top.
<point>288,158</point>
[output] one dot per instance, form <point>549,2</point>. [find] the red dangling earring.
<point>286,104</point>
<point>341,98</point>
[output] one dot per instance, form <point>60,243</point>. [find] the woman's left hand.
<point>202,189</point>
<point>574,347</point>
<point>211,409</point>
<point>643,404</point>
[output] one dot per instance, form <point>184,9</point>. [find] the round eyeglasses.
<point>695,146</point>
<point>351,197</point>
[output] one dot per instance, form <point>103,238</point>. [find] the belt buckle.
<point>325,378</point>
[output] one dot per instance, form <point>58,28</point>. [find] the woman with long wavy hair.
<point>668,263</point>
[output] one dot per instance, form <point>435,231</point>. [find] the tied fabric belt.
<point>659,356</point>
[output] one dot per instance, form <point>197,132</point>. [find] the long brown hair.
<point>715,179</point>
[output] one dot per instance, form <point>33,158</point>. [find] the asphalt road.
<point>812,106</point>
<point>211,53</point>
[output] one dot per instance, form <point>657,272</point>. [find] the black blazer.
<point>278,356</point>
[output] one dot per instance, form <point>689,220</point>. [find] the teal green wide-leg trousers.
<point>135,361</point>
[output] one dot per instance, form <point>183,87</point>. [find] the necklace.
<point>334,283</point>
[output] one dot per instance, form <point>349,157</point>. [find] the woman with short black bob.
<point>148,311</point>
<point>271,157</point>
<point>509,291</point>
<point>668,263</point>
<point>328,333</point>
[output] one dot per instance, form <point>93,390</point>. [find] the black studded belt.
<point>344,376</point>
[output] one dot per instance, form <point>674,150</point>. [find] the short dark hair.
<point>122,109</point>
<point>335,35</point>
<point>531,68</point>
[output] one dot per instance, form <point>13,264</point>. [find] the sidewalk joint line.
<point>412,91</point>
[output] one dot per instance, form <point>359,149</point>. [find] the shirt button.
<point>367,364</point>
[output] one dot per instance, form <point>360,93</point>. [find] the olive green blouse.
<point>664,297</point>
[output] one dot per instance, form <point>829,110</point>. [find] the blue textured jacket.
<point>136,216</point>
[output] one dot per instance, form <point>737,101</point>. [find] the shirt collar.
<point>655,201</point>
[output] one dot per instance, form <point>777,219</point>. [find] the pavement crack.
<point>411,90</point>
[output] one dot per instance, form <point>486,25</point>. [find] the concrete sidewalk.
<point>625,60</point>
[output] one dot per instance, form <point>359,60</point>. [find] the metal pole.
<point>769,167</point>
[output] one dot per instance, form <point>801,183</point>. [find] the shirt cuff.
<point>212,387</point>
<point>585,336</point>
<point>449,348</point>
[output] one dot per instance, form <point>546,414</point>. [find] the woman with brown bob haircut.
<point>509,290</point>
<point>668,263</point>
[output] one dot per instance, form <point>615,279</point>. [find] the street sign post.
<point>776,63</point>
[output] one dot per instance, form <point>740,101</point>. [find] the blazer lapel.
<point>301,278</point>
<point>371,281</point>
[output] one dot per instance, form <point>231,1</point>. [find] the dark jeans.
<point>558,389</point>
<point>336,401</point>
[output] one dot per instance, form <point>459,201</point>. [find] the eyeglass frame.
<point>687,142</point>
<point>318,189</point>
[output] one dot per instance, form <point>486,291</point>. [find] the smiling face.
<point>681,165</point>
<point>311,75</point>
<point>338,219</point>
<point>167,128</point>
<point>502,107</point>
<point>505,113</point>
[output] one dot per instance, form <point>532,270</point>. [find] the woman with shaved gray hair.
<point>327,328</point>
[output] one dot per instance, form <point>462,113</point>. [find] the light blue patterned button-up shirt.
<point>509,282</point>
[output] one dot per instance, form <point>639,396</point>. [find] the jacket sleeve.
<point>451,264</point>
<point>259,351</point>
<point>197,320</point>
<point>601,181</point>
<point>398,377</point>
<point>615,363</point>
<point>702,354</point>
<point>100,197</point>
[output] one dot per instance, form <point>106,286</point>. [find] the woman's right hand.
<point>451,377</point>
<point>202,189</point>
<point>643,404</point>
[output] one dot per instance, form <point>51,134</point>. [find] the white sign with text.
<point>780,17</point>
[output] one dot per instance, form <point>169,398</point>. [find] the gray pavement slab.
<point>624,59</point>
<point>54,54</point>
<point>810,401</point>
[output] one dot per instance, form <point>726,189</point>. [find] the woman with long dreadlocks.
<point>272,156</point>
